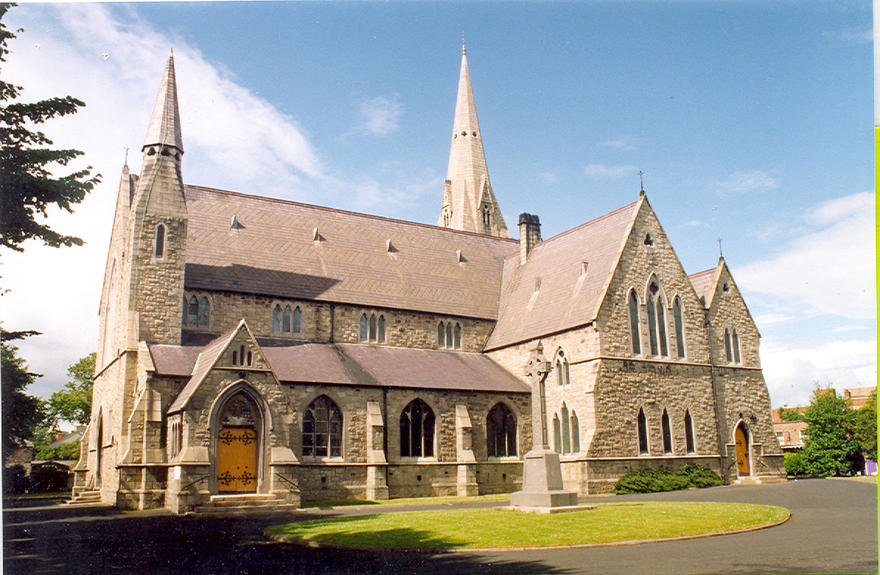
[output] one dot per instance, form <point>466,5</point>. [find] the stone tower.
<point>468,202</point>
<point>159,222</point>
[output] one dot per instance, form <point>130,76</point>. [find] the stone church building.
<point>290,352</point>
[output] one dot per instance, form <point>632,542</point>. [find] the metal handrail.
<point>191,483</point>
<point>290,482</point>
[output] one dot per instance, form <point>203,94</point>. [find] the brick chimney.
<point>529,235</point>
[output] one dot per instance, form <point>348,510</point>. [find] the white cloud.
<point>827,271</point>
<point>549,177</point>
<point>113,61</point>
<point>753,181</point>
<point>793,368</point>
<point>604,172</point>
<point>380,116</point>
<point>621,144</point>
<point>697,224</point>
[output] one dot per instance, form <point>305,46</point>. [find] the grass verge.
<point>25,496</point>
<point>501,528</point>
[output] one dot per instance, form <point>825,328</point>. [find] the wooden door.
<point>742,451</point>
<point>237,460</point>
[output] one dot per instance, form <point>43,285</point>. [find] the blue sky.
<point>751,122</point>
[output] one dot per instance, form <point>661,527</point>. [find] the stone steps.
<point>85,497</point>
<point>245,503</point>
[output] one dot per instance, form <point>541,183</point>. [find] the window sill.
<point>503,459</point>
<point>409,459</point>
<point>320,459</point>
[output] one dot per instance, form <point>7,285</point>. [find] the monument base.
<point>542,483</point>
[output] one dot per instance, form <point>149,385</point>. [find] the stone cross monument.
<point>542,487</point>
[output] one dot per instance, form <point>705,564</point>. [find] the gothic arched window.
<point>457,336</point>
<point>285,320</point>
<point>566,430</point>
<point>363,332</point>
<point>575,433</point>
<point>380,336</point>
<point>322,429</point>
<point>562,371</point>
<point>634,323</point>
<point>204,312</point>
<point>276,318</point>
<point>652,325</point>
<point>689,432</point>
<point>159,244</point>
<point>666,432</point>
<point>192,312</point>
<point>735,345</point>
<point>297,320</point>
<point>679,328</point>
<point>661,326</point>
<point>441,335</point>
<point>500,432</point>
<point>417,430</point>
<point>557,434</point>
<point>643,433</point>
<point>727,350</point>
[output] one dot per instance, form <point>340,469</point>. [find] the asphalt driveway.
<point>833,529</point>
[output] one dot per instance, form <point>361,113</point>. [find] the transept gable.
<point>726,294</point>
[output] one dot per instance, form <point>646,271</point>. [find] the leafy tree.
<point>74,402</point>
<point>866,427</point>
<point>21,412</point>
<point>61,452</point>
<point>830,447</point>
<point>27,184</point>
<point>790,413</point>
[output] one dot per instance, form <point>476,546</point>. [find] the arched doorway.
<point>741,439</point>
<point>238,441</point>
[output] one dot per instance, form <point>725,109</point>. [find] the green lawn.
<point>50,495</point>
<point>408,500</point>
<point>485,528</point>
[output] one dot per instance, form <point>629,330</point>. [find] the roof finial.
<point>641,183</point>
<point>720,251</point>
<point>463,47</point>
<point>126,156</point>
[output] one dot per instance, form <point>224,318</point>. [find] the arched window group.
<point>322,429</point>
<point>286,320</point>
<point>417,430</point>
<point>372,328</point>
<point>449,335</point>
<point>658,341</point>
<point>562,371</point>
<point>196,311</point>
<point>731,345</point>
<point>566,432</point>
<point>665,432</point>
<point>242,356</point>
<point>176,435</point>
<point>500,432</point>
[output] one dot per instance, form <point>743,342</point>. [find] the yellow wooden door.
<point>742,451</point>
<point>237,460</point>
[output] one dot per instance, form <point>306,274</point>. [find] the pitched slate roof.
<point>704,284</point>
<point>272,251</point>
<point>567,297</point>
<point>352,364</point>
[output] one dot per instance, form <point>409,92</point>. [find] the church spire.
<point>468,201</point>
<point>164,127</point>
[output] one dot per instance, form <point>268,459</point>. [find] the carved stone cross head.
<point>538,367</point>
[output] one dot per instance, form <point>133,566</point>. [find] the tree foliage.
<point>74,402</point>
<point>28,186</point>
<point>790,413</point>
<point>22,413</point>
<point>866,427</point>
<point>830,447</point>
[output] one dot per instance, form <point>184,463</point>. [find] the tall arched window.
<point>380,336</point>
<point>297,320</point>
<point>652,325</point>
<point>192,312</point>
<point>575,433</point>
<point>204,312</point>
<point>373,327</point>
<point>441,335</point>
<point>285,320</point>
<point>363,332</point>
<point>634,323</point>
<point>689,432</point>
<point>159,244</point>
<point>643,433</point>
<point>679,328</point>
<point>322,429</point>
<point>500,432</point>
<point>661,326</point>
<point>667,432</point>
<point>735,344</point>
<point>557,434</point>
<point>457,334</point>
<point>449,334</point>
<point>276,318</point>
<point>566,430</point>
<point>417,430</point>
<point>727,350</point>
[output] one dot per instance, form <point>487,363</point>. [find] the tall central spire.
<point>164,128</point>
<point>468,202</point>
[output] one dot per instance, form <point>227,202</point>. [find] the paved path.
<point>833,529</point>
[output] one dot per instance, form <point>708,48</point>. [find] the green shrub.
<point>653,480</point>
<point>796,463</point>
